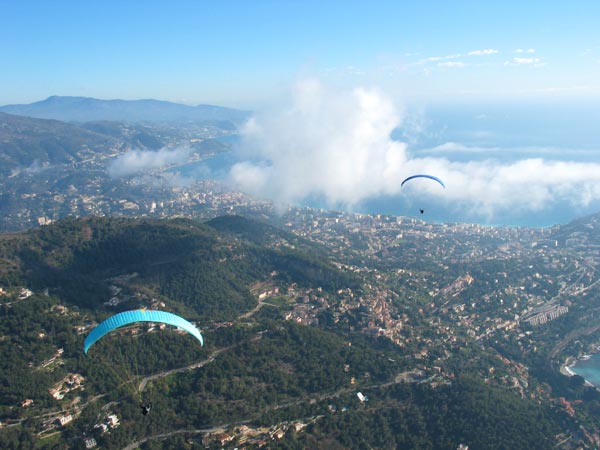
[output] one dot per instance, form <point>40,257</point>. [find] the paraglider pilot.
<point>146,409</point>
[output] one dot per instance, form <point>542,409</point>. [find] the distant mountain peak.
<point>61,98</point>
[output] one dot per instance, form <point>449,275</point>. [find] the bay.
<point>589,369</point>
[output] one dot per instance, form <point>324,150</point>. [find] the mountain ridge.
<point>26,139</point>
<point>87,109</point>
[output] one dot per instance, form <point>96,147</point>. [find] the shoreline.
<point>566,369</point>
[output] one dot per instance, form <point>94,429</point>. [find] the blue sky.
<point>246,53</point>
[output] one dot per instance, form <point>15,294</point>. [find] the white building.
<point>63,420</point>
<point>113,420</point>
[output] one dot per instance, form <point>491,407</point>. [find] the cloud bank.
<point>336,146</point>
<point>324,144</point>
<point>135,161</point>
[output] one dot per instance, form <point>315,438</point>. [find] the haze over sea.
<point>498,134</point>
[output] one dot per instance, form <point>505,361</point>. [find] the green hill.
<point>24,140</point>
<point>184,261</point>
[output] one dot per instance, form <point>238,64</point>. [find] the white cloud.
<point>522,50</point>
<point>36,167</point>
<point>524,62</point>
<point>455,148</point>
<point>331,144</point>
<point>337,146</point>
<point>526,185</point>
<point>527,60</point>
<point>135,161</point>
<point>451,64</point>
<point>487,51</point>
<point>438,58</point>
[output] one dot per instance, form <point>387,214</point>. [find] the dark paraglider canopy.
<point>431,177</point>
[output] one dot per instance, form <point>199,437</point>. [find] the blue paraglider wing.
<point>431,177</point>
<point>139,315</point>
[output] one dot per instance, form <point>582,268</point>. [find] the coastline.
<point>566,369</point>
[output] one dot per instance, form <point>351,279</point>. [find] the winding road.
<point>210,359</point>
<point>400,378</point>
<point>193,366</point>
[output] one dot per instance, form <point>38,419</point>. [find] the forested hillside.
<point>263,377</point>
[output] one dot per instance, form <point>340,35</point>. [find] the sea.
<point>588,368</point>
